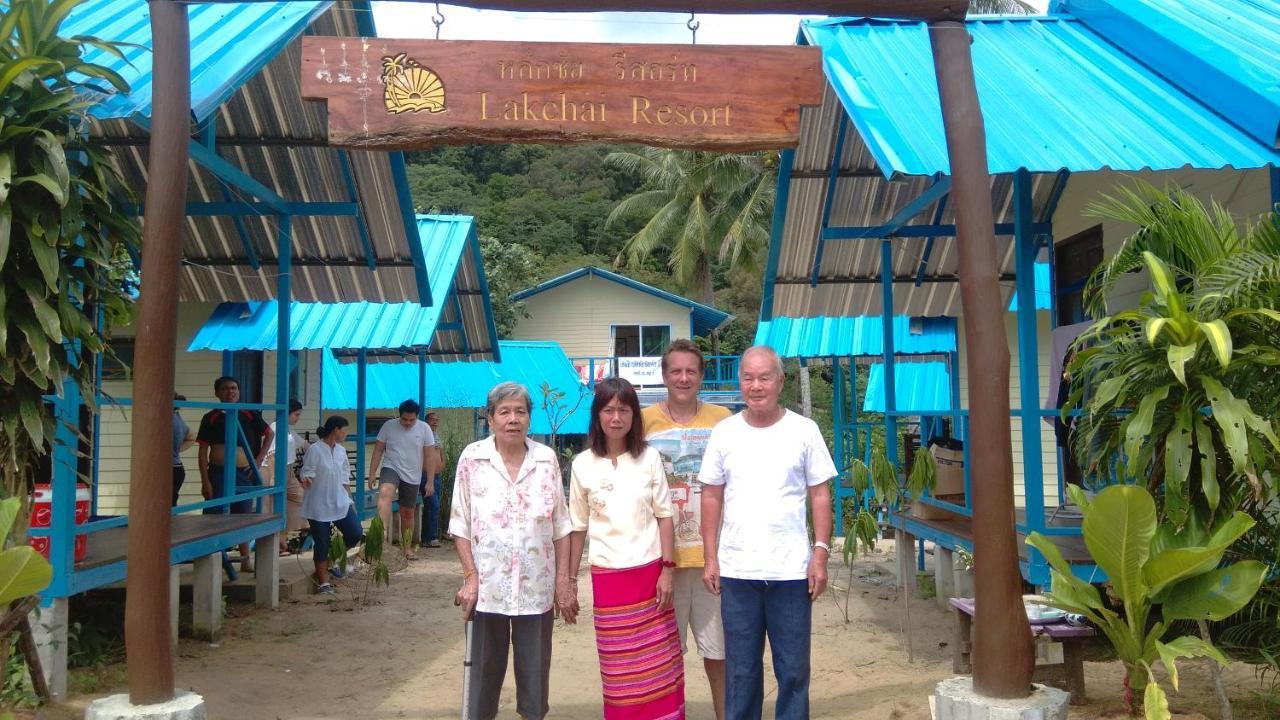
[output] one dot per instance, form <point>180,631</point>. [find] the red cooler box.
<point>42,517</point>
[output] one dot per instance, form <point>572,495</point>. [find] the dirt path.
<point>401,657</point>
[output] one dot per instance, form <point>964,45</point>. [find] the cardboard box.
<point>950,462</point>
<point>924,511</point>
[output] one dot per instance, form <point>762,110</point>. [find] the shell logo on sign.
<point>410,87</point>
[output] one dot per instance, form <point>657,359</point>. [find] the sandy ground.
<point>401,657</point>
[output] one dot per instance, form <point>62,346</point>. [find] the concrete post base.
<point>955,699</point>
<point>49,627</point>
<point>184,706</point>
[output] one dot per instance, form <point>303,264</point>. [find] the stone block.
<point>955,699</point>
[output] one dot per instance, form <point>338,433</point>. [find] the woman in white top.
<point>293,492</point>
<point>618,495</point>
<point>325,476</point>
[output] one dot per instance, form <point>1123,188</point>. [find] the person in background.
<point>326,473</point>
<point>510,528</point>
<point>257,436</point>
<point>618,495</point>
<point>293,520</point>
<point>404,450</point>
<point>182,439</point>
<point>679,428</point>
<point>759,468</point>
<point>431,500</point>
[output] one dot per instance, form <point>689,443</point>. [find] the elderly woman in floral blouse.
<point>510,525</point>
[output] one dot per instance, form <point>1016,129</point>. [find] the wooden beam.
<point>920,9</point>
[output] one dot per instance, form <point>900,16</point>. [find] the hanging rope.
<point>438,20</point>
<point>693,26</point>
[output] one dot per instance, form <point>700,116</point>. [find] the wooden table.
<point>1068,675</point>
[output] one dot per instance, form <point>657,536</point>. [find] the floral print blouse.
<point>511,525</point>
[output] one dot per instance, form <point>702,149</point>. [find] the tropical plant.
<point>1151,567</point>
<point>1000,7</point>
<point>700,207</point>
<point>23,573</point>
<point>64,239</point>
<point>1204,336</point>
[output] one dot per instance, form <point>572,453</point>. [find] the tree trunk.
<point>1215,671</point>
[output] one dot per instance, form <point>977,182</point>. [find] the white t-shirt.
<point>294,441</point>
<point>327,499</point>
<point>766,474</point>
<point>404,448</point>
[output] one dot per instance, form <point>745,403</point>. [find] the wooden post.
<point>146,623</point>
<point>1003,656</point>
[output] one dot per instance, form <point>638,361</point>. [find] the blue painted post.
<point>284,304</point>
<point>97,424</point>
<point>1275,185</point>
<point>230,443</point>
<point>786,164</point>
<point>1028,350</point>
<point>887,350</point>
<point>837,402</point>
<point>422,383</point>
<point>228,363</point>
<point>62,524</point>
<point>362,365</point>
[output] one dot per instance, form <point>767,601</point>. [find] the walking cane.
<point>466,669</point>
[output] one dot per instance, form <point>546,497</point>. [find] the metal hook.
<point>438,20</point>
<point>693,26</point>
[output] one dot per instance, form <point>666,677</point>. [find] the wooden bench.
<point>1067,675</point>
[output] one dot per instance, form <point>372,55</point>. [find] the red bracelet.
<point>668,564</point>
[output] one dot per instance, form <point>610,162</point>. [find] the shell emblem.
<point>410,87</point>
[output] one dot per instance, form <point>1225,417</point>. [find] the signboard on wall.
<point>389,93</point>
<point>640,370</point>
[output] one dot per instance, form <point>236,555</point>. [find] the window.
<point>246,368</point>
<point>640,340</point>
<point>117,362</point>
<point>1076,258</point>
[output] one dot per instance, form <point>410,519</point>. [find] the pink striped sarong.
<point>640,662</point>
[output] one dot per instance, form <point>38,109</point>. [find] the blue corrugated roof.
<point>465,384</point>
<point>920,387</point>
<point>1055,95</point>
<point>445,240</point>
<point>818,337</point>
<point>1044,289</point>
<point>230,43</point>
<point>705,318</point>
<point>1226,52</point>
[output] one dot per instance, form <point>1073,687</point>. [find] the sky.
<point>413,20</point>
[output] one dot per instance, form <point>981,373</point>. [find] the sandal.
<point>327,589</point>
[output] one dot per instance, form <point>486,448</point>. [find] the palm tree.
<point>1000,7</point>
<point>701,207</point>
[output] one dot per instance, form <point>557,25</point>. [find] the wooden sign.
<point>407,94</point>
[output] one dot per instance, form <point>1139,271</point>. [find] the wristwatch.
<point>824,546</point>
<point>668,563</point>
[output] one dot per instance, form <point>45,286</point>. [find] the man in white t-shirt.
<point>758,469</point>
<point>405,451</point>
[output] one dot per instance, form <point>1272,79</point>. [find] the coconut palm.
<point>1000,7</point>
<point>701,207</point>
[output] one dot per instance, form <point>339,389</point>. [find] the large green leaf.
<point>1106,392</point>
<point>23,572</point>
<point>1178,563</point>
<point>1186,646</point>
<point>1219,337</point>
<point>8,513</point>
<point>6,230</point>
<point>1066,591</point>
<point>1177,355</point>
<point>47,316</point>
<point>1177,466</point>
<point>32,420</point>
<point>1117,530</point>
<point>54,163</point>
<point>1215,595</point>
<point>1208,456</point>
<point>1138,428</point>
<point>1155,704</point>
<point>1163,282</point>
<point>20,66</point>
<point>1235,417</point>
<point>6,174</point>
<point>46,258</point>
<point>48,182</point>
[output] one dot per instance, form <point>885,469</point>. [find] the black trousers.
<point>529,636</point>
<point>179,477</point>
